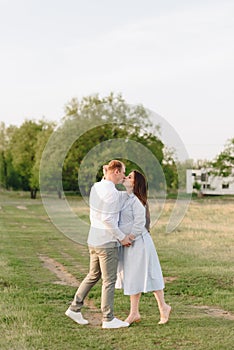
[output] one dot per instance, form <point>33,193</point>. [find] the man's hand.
<point>127,241</point>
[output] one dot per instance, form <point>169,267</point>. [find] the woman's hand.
<point>127,241</point>
<point>132,236</point>
<point>104,170</point>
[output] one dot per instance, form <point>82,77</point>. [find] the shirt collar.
<point>130,195</point>
<point>109,182</point>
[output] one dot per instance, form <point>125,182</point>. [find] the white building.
<point>209,184</point>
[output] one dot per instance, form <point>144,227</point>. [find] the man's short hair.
<point>115,164</point>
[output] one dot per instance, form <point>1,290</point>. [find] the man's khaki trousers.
<point>103,264</point>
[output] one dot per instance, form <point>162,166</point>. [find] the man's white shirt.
<point>105,206</point>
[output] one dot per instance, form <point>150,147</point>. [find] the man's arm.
<point>106,210</point>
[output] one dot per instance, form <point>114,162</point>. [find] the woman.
<point>139,267</point>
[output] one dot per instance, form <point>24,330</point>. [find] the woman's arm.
<point>139,217</point>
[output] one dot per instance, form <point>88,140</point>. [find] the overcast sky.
<point>175,57</point>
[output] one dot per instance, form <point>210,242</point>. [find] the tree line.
<point>109,118</point>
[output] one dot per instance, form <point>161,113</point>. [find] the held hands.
<point>127,241</point>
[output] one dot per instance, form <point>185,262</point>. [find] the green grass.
<point>199,255</point>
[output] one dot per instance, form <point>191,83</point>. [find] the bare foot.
<point>165,315</point>
<point>133,318</point>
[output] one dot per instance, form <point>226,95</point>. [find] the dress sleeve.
<point>138,217</point>
<point>122,198</point>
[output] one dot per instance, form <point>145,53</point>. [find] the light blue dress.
<point>139,268</point>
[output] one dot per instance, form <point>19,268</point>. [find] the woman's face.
<point>129,181</point>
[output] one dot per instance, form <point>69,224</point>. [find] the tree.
<point>105,119</point>
<point>23,148</point>
<point>9,178</point>
<point>170,168</point>
<point>223,165</point>
<point>86,126</point>
<point>181,170</point>
<point>2,155</point>
<point>42,138</point>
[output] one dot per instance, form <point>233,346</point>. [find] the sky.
<point>175,57</point>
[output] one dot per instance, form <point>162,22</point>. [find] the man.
<point>103,240</point>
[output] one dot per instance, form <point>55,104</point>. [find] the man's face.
<point>120,176</point>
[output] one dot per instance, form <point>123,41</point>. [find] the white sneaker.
<point>76,316</point>
<point>115,323</point>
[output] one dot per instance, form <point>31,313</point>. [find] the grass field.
<point>39,269</point>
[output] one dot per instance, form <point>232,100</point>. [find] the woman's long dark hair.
<point>140,190</point>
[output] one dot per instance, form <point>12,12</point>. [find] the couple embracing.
<point>121,249</point>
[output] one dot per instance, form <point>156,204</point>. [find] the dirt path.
<point>215,312</point>
<point>65,278</point>
<point>92,313</point>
